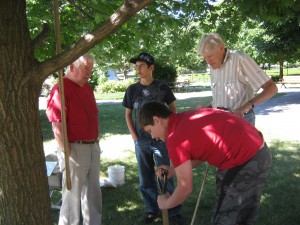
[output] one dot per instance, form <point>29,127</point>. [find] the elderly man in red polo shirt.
<point>82,130</point>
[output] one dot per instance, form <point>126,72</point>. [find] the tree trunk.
<point>24,196</point>
<point>281,68</point>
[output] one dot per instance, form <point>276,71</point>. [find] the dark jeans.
<point>151,153</point>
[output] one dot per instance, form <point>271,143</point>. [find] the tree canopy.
<point>277,23</point>
<point>165,28</point>
<point>170,29</point>
<point>113,31</point>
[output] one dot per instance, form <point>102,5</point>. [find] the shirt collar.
<point>226,56</point>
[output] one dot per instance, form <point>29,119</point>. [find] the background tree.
<point>164,72</point>
<point>278,24</point>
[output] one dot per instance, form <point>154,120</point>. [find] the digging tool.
<point>200,194</point>
<point>163,190</point>
<point>62,96</point>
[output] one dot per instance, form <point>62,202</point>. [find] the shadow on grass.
<point>280,201</point>
<point>124,205</point>
<point>279,204</point>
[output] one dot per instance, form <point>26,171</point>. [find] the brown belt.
<point>84,142</point>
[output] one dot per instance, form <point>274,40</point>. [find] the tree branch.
<point>87,42</point>
<point>126,3</point>
<point>41,36</point>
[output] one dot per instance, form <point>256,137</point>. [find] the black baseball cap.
<point>144,56</point>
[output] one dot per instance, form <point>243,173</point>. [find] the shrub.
<point>275,78</point>
<point>114,86</point>
<point>94,80</point>
<point>164,72</point>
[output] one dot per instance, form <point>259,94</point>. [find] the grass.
<point>279,204</point>
<point>205,77</point>
<point>124,205</point>
<point>286,71</point>
<point>109,96</point>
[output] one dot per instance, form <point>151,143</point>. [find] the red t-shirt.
<point>81,110</point>
<point>220,138</point>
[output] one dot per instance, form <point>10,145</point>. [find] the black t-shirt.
<point>137,94</point>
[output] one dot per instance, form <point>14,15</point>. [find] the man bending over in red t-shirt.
<point>221,139</point>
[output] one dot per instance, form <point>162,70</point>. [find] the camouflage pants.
<point>239,190</point>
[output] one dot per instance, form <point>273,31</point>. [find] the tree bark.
<point>24,193</point>
<point>281,68</point>
<point>24,196</point>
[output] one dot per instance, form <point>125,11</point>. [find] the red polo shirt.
<point>81,110</point>
<point>220,138</point>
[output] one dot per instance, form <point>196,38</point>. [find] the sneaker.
<point>150,217</point>
<point>177,219</point>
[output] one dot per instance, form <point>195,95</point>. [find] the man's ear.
<point>156,120</point>
<point>71,67</point>
<point>222,48</point>
<point>151,68</point>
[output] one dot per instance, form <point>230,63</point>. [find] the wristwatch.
<point>251,103</point>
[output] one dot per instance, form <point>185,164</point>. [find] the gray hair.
<point>209,42</point>
<point>80,60</point>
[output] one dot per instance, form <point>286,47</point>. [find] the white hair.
<point>209,42</point>
<point>82,59</point>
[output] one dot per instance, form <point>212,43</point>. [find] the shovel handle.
<point>163,190</point>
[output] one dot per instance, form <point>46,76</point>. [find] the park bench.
<point>293,79</point>
<point>180,85</point>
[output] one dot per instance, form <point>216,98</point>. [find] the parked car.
<point>111,75</point>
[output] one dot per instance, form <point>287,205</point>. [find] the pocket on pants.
<point>61,159</point>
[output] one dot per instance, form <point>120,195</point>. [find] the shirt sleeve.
<point>255,76</point>
<point>170,97</point>
<point>53,110</point>
<point>178,153</point>
<point>127,100</point>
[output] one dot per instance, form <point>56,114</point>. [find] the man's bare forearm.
<point>58,135</point>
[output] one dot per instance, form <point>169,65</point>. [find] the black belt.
<point>226,109</point>
<point>223,108</point>
<point>85,142</point>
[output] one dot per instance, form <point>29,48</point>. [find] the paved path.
<point>278,118</point>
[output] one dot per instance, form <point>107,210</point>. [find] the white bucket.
<point>116,174</point>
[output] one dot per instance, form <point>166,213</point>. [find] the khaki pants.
<point>85,193</point>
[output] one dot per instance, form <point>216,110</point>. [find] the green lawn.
<point>279,204</point>
<point>280,201</point>
<point>124,205</point>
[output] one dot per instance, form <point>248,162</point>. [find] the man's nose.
<point>208,61</point>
